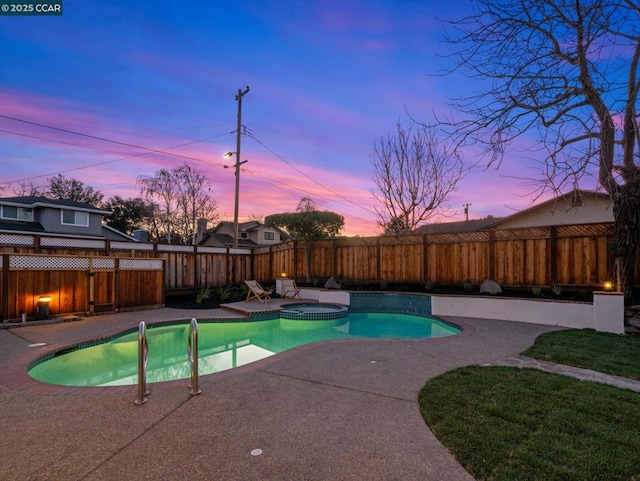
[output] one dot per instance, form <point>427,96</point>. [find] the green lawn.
<point>509,424</point>
<point>600,351</point>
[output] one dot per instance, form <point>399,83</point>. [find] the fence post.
<point>91,284</point>
<point>553,254</point>
<point>5,287</point>
<point>492,255</point>
<point>378,260</point>
<point>425,257</point>
<point>116,284</point>
<point>334,258</point>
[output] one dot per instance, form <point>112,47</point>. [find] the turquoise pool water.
<point>221,346</point>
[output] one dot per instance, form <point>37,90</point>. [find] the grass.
<point>599,351</point>
<point>509,424</point>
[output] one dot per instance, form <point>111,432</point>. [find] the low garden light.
<point>283,274</point>
<point>608,286</point>
<point>42,311</point>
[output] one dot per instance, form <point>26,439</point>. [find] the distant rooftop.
<point>472,225</point>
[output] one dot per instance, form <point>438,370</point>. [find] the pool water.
<point>221,346</point>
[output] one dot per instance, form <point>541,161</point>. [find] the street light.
<point>237,201</point>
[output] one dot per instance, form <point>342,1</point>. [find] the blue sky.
<point>326,78</point>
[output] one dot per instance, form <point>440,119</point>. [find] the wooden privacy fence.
<point>186,267</point>
<point>572,255</point>
<point>89,275</point>
<point>78,284</point>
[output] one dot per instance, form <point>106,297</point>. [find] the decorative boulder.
<point>331,284</point>
<point>490,287</point>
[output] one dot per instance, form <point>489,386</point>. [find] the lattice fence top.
<point>48,262</point>
<point>72,242</point>
<point>103,263</point>
<point>44,262</point>
<point>592,230</point>
<point>174,248</point>
<point>17,239</point>
<point>523,233</point>
<point>130,246</point>
<point>211,250</point>
<point>240,251</point>
<point>141,264</point>
<point>447,237</point>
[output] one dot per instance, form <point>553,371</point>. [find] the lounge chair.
<point>289,289</point>
<point>257,292</point>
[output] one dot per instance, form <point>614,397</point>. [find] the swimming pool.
<point>221,346</point>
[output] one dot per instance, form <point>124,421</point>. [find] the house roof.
<point>227,240</point>
<point>459,226</point>
<point>33,202</point>
<point>18,226</point>
<point>571,195</point>
<point>493,222</point>
<point>117,233</point>
<point>249,226</point>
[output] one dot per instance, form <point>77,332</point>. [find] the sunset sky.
<point>112,91</point>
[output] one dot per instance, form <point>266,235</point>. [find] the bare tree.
<point>28,188</point>
<point>568,71</point>
<point>181,196</point>
<point>415,173</point>
<point>194,200</point>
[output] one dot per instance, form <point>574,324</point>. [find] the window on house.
<point>243,235</point>
<point>269,236</point>
<point>74,217</point>
<point>17,213</point>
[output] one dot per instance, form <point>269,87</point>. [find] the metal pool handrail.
<point>192,355</point>
<point>143,359</point>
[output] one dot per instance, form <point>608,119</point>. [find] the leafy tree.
<point>309,224</point>
<point>72,189</point>
<point>415,173</point>
<point>568,72</point>
<point>128,214</point>
<point>180,196</point>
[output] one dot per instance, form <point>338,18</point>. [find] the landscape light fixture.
<point>608,286</point>
<point>42,310</point>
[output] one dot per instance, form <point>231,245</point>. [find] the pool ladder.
<point>143,359</point>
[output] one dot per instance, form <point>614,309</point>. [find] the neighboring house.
<point>250,234</point>
<point>39,215</point>
<point>574,207</point>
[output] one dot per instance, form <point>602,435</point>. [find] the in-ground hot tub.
<point>313,311</point>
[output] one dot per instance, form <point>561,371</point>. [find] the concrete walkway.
<point>575,372</point>
<point>336,410</point>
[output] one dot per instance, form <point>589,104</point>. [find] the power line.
<point>162,151</point>
<point>288,188</point>
<point>309,177</point>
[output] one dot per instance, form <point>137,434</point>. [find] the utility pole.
<point>239,96</point>
<point>466,210</point>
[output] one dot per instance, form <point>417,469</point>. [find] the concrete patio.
<point>333,410</point>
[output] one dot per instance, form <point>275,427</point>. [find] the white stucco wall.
<point>594,209</point>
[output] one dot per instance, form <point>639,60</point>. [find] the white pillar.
<point>608,312</point>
